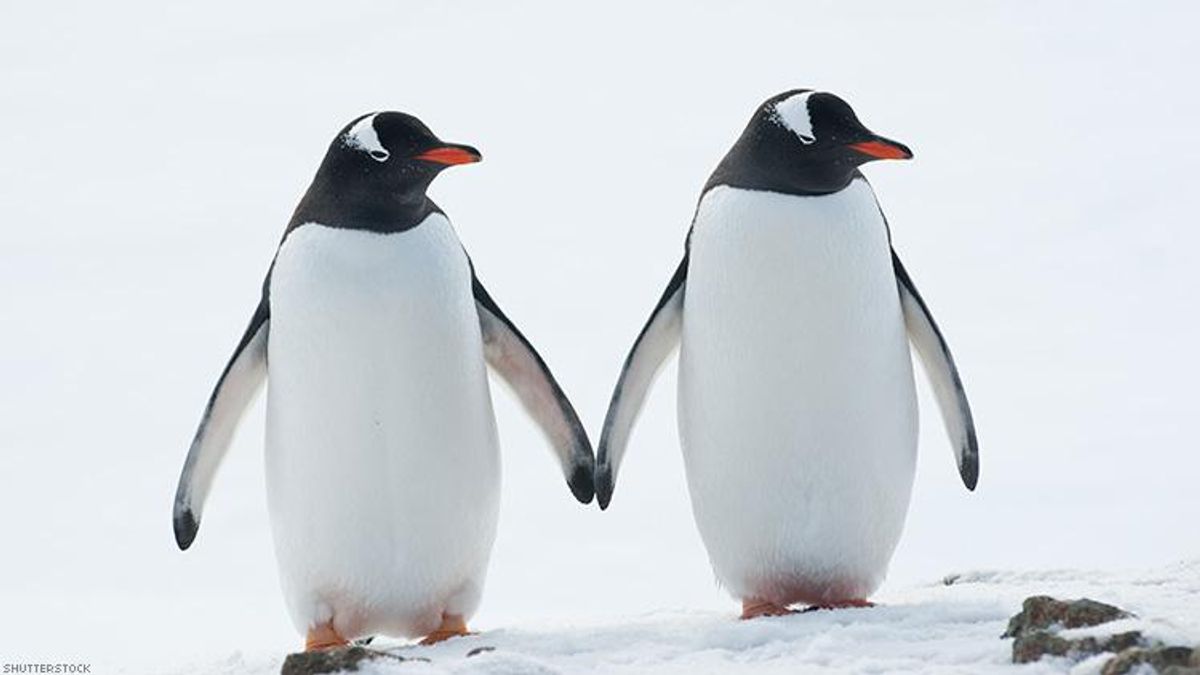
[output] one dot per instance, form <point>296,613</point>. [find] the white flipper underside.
<point>658,340</point>
<point>234,392</point>
<point>943,377</point>
<point>515,361</point>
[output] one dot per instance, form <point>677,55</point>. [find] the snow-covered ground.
<point>151,152</point>
<point>949,626</point>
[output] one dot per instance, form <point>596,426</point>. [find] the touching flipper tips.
<point>969,470</point>
<point>604,484</point>
<point>581,483</point>
<point>185,528</point>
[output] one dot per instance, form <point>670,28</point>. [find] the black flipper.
<point>943,375</point>
<point>520,366</point>
<point>236,388</point>
<point>657,341</point>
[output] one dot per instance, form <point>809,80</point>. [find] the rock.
<point>342,659</point>
<point>1032,646</point>
<point>1036,631</point>
<point>1042,612</point>
<point>480,650</point>
<point>1164,660</point>
<point>325,661</point>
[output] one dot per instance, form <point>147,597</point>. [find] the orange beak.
<point>882,148</point>
<point>451,155</point>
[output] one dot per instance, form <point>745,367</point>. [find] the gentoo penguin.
<point>797,412</point>
<point>382,466</point>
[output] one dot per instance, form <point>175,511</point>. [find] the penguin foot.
<point>841,604</point>
<point>452,626</point>
<point>323,637</point>
<point>752,609</point>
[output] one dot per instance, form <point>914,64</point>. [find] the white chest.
<point>797,408</point>
<point>380,433</point>
<point>797,293</point>
<point>357,283</point>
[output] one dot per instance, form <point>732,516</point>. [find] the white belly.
<point>383,473</point>
<point>797,410</point>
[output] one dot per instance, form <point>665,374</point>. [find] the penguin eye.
<point>380,155</point>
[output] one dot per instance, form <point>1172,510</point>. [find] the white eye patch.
<point>362,136</point>
<point>792,114</point>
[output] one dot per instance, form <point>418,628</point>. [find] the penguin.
<point>382,461</point>
<point>793,317</point>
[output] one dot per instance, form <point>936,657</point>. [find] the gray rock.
<point>1165,660</point>
<point>1036,631</point>
<point>1031,646</point>
<point>1042,612</point>
<point>342,659</point>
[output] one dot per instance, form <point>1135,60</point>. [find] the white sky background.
<point>151,156</point>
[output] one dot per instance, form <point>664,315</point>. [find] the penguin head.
<point>805,142</point>
<point>395,151</point>
<point>375,174</point>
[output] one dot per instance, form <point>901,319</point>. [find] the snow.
<point>939,627</point>
<point>1048,220</point>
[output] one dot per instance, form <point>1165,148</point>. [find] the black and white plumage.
<point>943,376</point>
<point>793,316</point>
<point>382,458</point>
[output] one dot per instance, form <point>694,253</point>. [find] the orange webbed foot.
<point>452,626</point>
<point>323,637</point>
<point>752,609</point>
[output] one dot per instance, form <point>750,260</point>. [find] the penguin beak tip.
<point>882,148</point>
<point>451,155</point>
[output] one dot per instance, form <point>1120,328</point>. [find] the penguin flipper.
<point>943,376</point>
<point>236,388</point>
<point>657,341</point>
<point>516,362</point>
